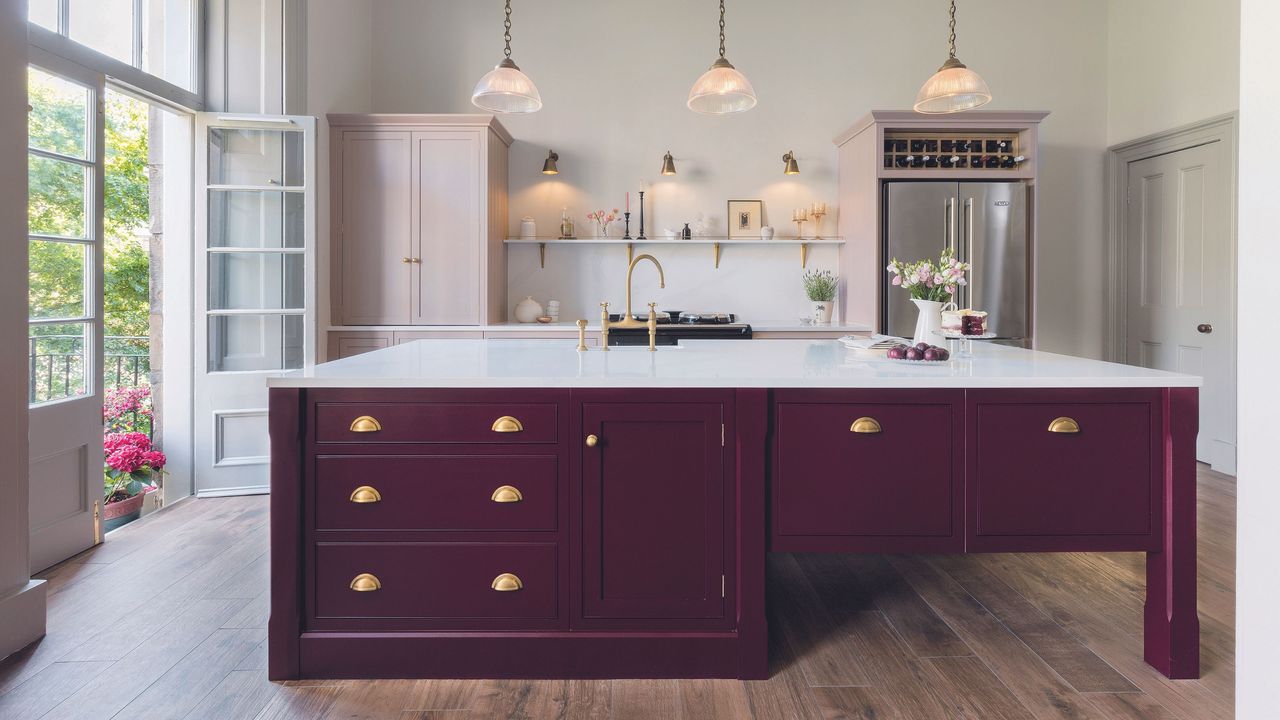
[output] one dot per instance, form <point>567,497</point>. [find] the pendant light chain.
<point>506,34</point>
<point>722,29</point>
<point>953,26</point>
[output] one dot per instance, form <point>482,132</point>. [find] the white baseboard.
<point>22,617</point>
<point>234,491</point>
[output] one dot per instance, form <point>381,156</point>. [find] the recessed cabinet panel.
<point>447,215</point>
<point>653,512</point>
<point>375,228</point>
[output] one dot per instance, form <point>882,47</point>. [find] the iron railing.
<point>55,364</point>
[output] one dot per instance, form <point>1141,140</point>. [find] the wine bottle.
<point>902,160</point>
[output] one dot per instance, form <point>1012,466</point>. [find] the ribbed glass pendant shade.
<point>952,89</point>
<point>721,90</point>
<point>505,89</point>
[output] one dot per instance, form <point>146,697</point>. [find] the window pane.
<point>104,25</point>
<point>168,41</point>
<point>56,197</point>
<point>56,361</point>
<point>57,279</point>
<point>255,281</point>
<point>255,219</point>
<point>59,108</point>
<point>239,343</point>
<point>43,13</point>
<point>255,157</point>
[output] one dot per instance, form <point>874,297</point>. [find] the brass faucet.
<point>628,320</point>
<point>604,326</point>
<point>653,328</point>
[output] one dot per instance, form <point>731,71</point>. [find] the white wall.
<point>22,605</point>
<point>1258,481</point>
<point>614,78</point>
<point>1169,63</point>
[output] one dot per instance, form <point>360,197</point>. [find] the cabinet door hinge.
<point>721,434</point>
<point>722,586</point>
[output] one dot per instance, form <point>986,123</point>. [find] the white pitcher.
<point>929,321</point>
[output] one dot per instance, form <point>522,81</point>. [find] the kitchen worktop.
<point>711,364</point>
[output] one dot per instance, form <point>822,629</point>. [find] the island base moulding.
<point>582,532</point>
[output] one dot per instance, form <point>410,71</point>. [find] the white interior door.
<point>1181,283</point>
<point>254,286</point>
<point>65,312</point>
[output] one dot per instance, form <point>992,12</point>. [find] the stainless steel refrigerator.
<point>986,223</point>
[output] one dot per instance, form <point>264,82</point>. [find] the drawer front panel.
<point>1031,481</point>
<point>435,580</point>
<point>453,492</point>
<point>435,422</point>
<point>895,478</point>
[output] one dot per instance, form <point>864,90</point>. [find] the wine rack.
<point>957,150</point>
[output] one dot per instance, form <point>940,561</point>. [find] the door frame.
<point>1220,128</point>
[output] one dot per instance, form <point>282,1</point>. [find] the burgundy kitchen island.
<point>515,508</point>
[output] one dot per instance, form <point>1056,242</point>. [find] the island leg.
<point>1171,625</point>
<point>285,625</point>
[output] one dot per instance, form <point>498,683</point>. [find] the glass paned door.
<point>64,338</point>
<point>255,286</point>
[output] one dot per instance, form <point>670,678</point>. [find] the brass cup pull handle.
<point>366,494</point>
<point>592,441</point>
<point>507,424</point>
<point>507,494</point>
<point>1064,425</point>
<point>865,425</point>
<point>365,423</point>
<point>506,582</point>
<point>366,582</point>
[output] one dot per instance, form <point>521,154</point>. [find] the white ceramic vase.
<point>928,322</point>
<point>822,312</point>
<point>528,310</point>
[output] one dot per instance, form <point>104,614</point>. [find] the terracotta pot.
<point>122,512</point>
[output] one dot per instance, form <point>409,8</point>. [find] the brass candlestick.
<point>799,221</point>
<point>817,223</point>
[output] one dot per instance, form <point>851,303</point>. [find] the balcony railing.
<point>56,365</point>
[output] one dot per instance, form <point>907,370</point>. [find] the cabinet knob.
<point>506,582</point>
<point>365,423</point>
<point>507,424</point>
<point>1204,328</point>
<point>1064,425</point>
<point>405,260</point>
<point>507,494</point>
<point>366,582</point>
<point>592,440</point>
<point>865,425</point>
<point>366,494</point>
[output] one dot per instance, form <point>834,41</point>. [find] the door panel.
<point>993,237</point>
<point>653,499</point>
<point>1179,278</point>
<point>447,214</point>
<point>375,232</point>
<point>920,220</point>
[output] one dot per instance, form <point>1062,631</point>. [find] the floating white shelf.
<point>714,242</point>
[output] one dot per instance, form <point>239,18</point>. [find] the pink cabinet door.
<point>1064,470</point>
<point>868,470</point>
<point>653,513</point>
<point>373,248</point>
<point>448,212</point>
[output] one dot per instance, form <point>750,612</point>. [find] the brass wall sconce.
<point>668,164</point>
<point>791,167</point>
<point>549,165</point>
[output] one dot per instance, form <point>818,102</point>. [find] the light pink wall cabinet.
<point>419,214</point>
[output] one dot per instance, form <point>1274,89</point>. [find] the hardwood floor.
<point>167,619</point>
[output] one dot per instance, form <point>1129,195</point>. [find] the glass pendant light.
<point>954,87</point>
<point>505,89</point>
<point>721,89</point>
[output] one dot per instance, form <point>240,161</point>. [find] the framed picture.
<point>745,218</point>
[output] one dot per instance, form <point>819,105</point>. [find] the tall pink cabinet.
<point>419,207</point>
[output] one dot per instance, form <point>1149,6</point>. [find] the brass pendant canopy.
<point>954,88</point>
<point>549,165</point>
<point>668,164</point>
<point>790,167</point>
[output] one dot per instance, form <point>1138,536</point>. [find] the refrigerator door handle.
<point>949,224</point>
<point>970,290</point>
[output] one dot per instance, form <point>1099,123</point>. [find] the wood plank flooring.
<point>167,619</point>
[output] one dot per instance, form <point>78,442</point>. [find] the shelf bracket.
<point>716,250</point>
<point>542,255</point>
<point>631,249</point>
<point>804,255</point>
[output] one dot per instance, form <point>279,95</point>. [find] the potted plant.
<point>931,286</point>
<point>820,288</point>
<point>132,468</point>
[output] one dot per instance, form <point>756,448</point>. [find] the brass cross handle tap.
<point>582,336</point>
<point>604,326</point>
<point>653,328</point>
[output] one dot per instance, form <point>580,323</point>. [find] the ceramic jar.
<point>528,228</point>
<point>766,232</point>
<point>528,310</point>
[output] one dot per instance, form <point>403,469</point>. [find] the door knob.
<point>592,440</point>
<point>1204,328</point>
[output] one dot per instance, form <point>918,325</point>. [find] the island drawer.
<point>856,470</point>
<point>445,581</point>
<point>435,422</point>
<point>443,492</point>
<point>1067,465</point>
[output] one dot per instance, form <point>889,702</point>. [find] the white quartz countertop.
<point>708,363</point>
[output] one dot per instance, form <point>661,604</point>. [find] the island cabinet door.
<point>1063,470</point>
<point>868,471</point>
<point>653,509</point>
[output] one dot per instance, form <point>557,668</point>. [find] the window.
<point>155,36</point>
<point>62,242</point>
